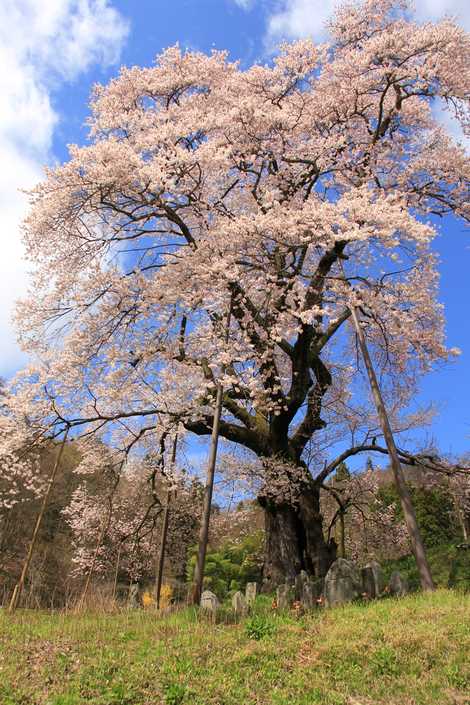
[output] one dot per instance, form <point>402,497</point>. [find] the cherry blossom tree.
<point>115,516</point>
<point>207,187</point>
<point>365,526</point>
<point>20,480</point>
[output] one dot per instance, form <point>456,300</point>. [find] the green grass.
<point>412,651</point>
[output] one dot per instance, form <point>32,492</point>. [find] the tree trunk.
<point>295,540</point>
<point>342,535</point>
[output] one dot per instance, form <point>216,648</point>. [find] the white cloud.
<point>244,4</point>
<point>42,43</point>
<point>435,9</point>
<point>302,18</point>
<point>299,18</point>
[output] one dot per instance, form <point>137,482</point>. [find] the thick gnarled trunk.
<point>295,540</point>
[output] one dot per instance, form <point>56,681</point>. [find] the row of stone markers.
<point>343,583</point>
<point>241,603</point>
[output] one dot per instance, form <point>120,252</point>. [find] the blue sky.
<point>51,53</point>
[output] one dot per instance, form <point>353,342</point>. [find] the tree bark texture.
<point>295,540</point>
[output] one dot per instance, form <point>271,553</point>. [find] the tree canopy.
<point>285,193</point>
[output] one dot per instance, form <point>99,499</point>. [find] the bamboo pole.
<point>417,545</point>
<point>20,585</point>
<point>209,487</point>
<point>166,518</point>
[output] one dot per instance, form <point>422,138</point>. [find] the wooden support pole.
<point>417,545</point>
<point>20,585</point>
<point>209,487</point>
<point>166,518</point>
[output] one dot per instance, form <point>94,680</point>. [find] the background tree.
<point>130,508</point>
<point>365,515</point>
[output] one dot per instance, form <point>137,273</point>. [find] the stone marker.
<point>309,599</point>
<point>343,583</point>
<point>209,602</point>
<point>398,585</point>
<point>284,596</point>
<point>307,589</point>
<point>318,586</point>
<point>239,603</point>
<point>300,581</point>
<point>133,596</point>
<point>250,593</point>
<point>372,580</point>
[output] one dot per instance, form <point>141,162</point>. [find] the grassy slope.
<point>408,651</point>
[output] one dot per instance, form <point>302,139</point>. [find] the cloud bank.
<point>43,43</point>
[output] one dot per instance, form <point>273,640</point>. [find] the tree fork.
<point>417,545</point>
<point>19,586</point>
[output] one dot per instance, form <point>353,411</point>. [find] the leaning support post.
<point>20,585</point>
<point>209,487</point>
<point>405,499</point>
<point>166,518</point>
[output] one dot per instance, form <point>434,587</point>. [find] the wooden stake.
<point>209,488</point>
<point>20,585</point>
<point>417,545</point>
<point>166,518</point>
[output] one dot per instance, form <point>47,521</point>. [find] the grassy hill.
<point>412,651</point>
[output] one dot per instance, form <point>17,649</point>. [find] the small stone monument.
<point>284,596</point>
<point>301,580</point>
<point>209,602</point>
<point>133,596</point>
<point>308,598</point>
<point>318,586</point>
<point>372,580</point>
<point>397,585</point>
<point>239,604</point>
<point>250,593</point>
<point>307,589</point>
<point>343,583</point>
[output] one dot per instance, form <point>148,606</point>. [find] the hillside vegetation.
<point>412,651</point>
